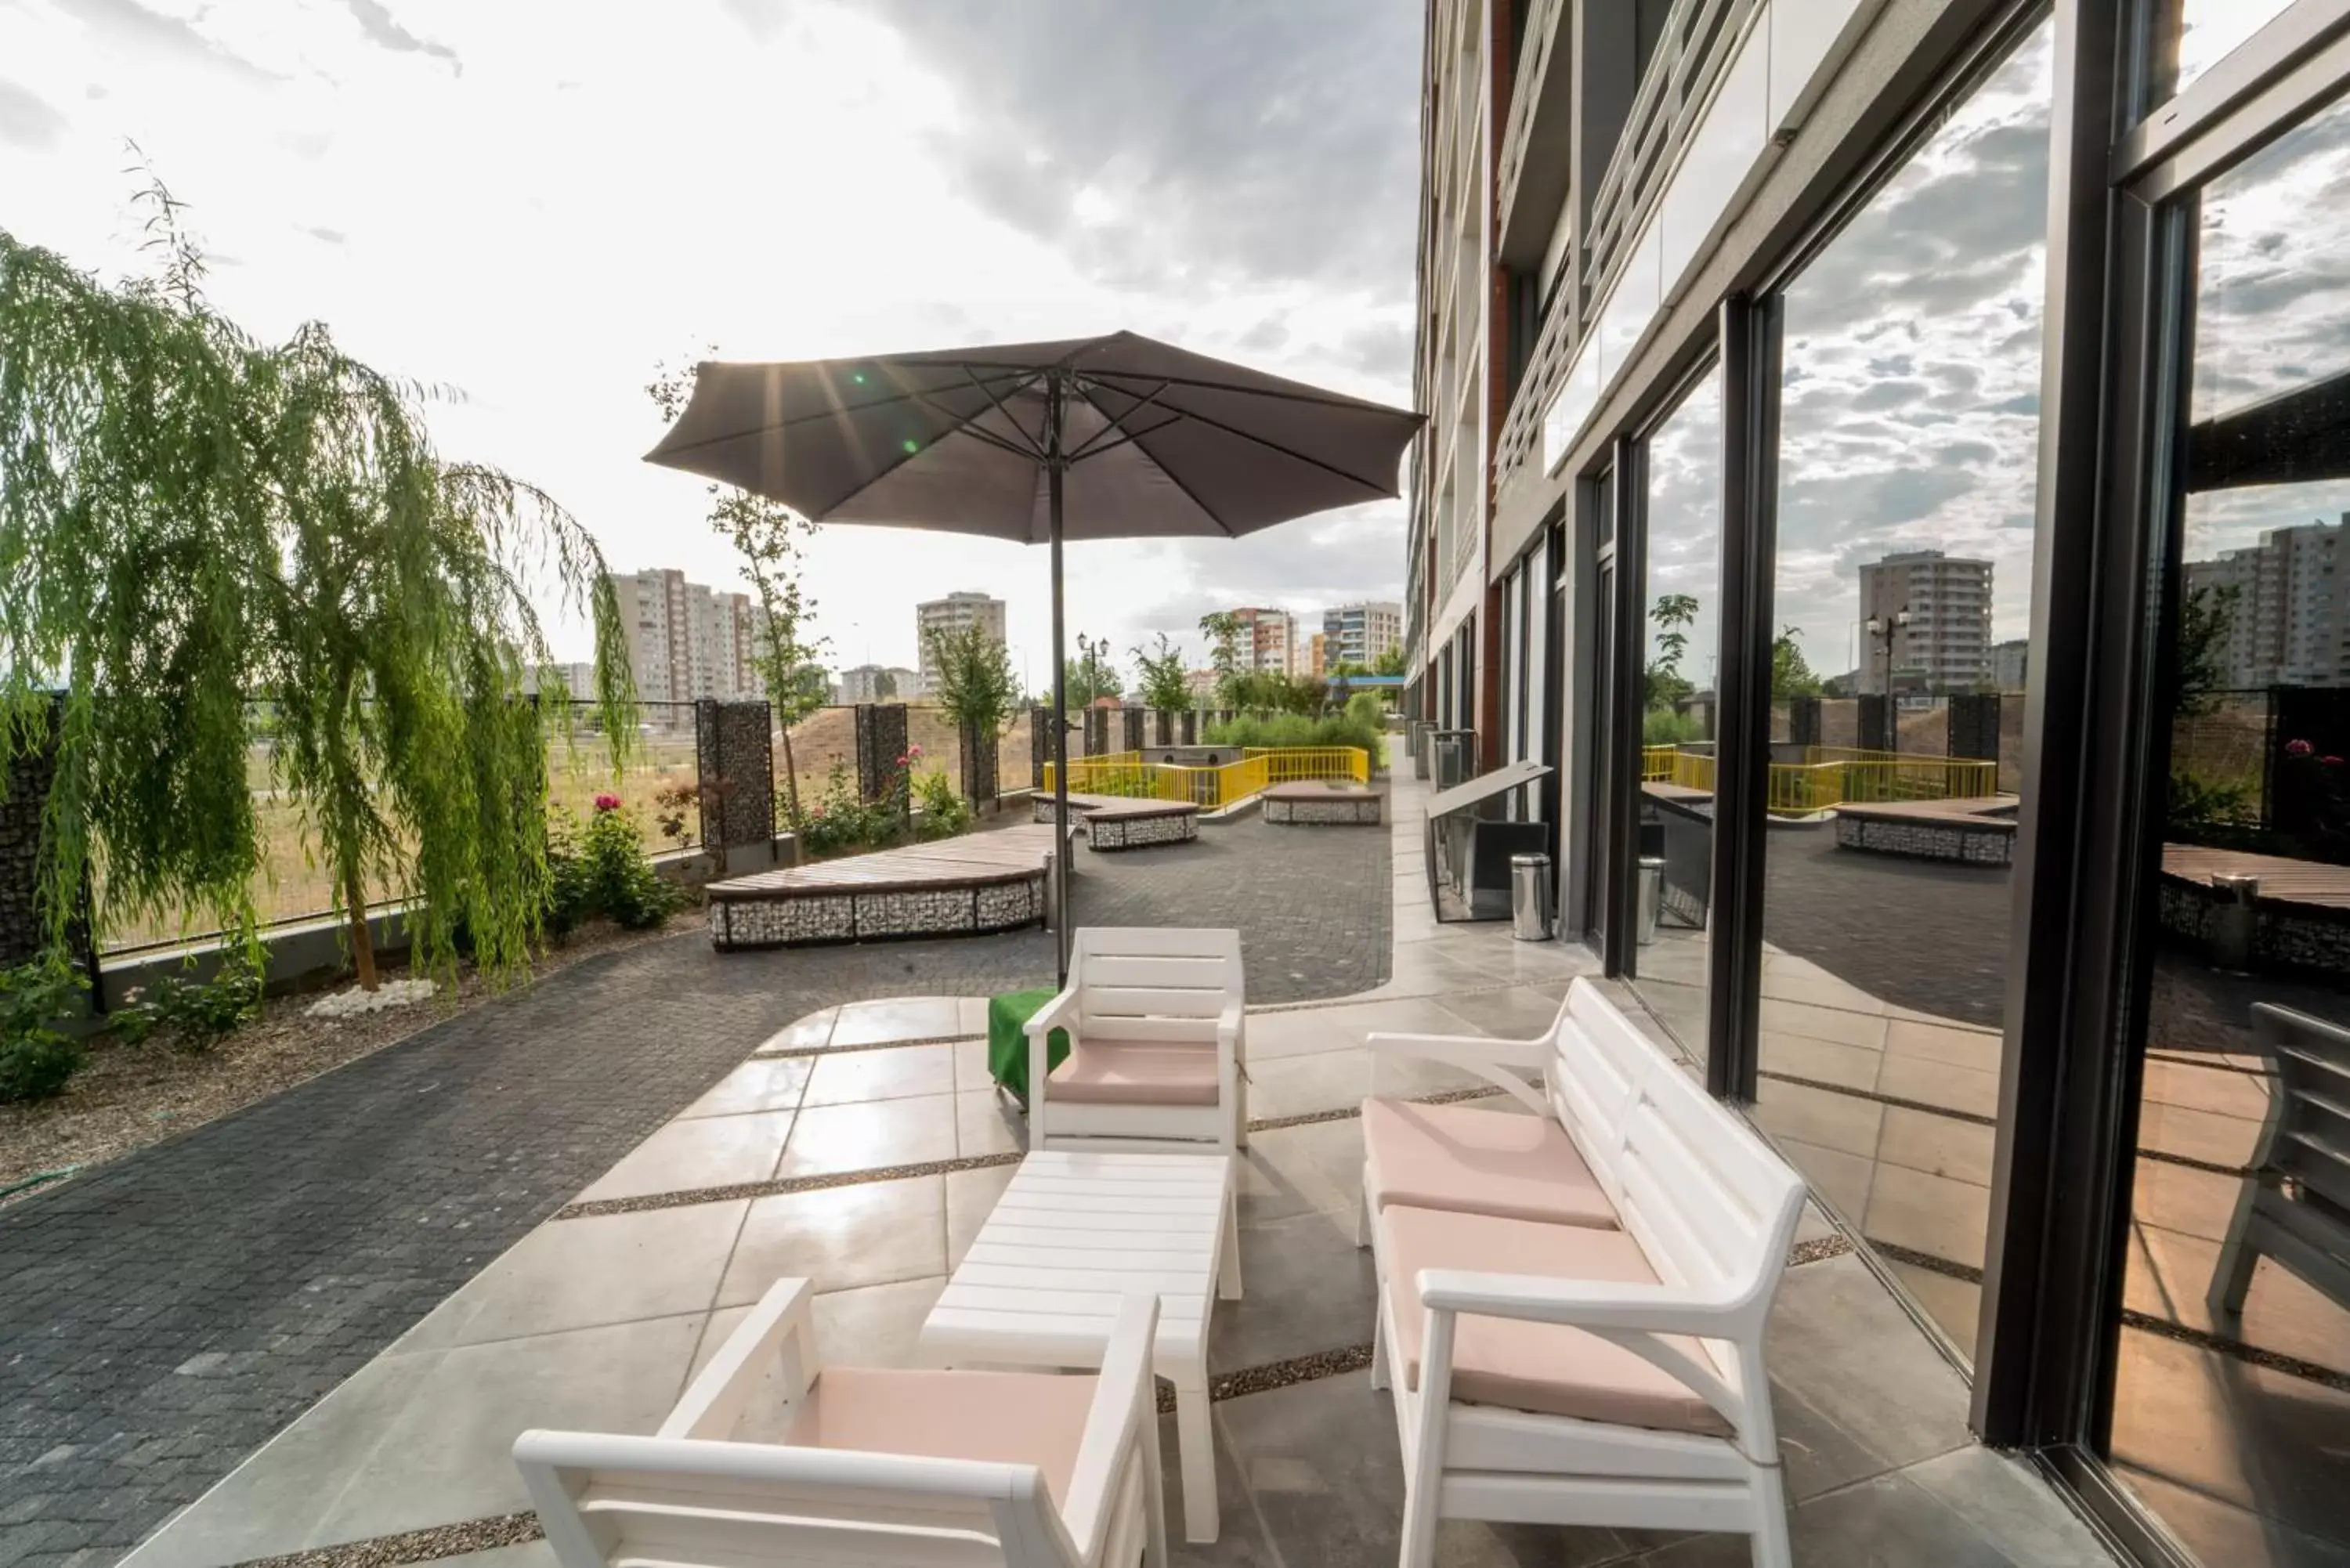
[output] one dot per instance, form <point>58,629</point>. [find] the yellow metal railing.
<point>1126,774</point>
<point>1830,776</point>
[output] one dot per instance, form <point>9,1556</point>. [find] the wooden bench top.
<point>1318,789</point>
<point>972,860</point>
<point>1126,805</point>
<point>2282,880</point>
<point>1980,811</point>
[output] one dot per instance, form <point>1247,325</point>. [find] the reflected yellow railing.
<point>1830,776</point>
<point>1127,775</point>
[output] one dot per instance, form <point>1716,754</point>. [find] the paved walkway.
<point>162,1317</point>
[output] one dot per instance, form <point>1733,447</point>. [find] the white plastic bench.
<point>1572,1302</point>
<point>1009,1469</point>
<point>1158,1046</point>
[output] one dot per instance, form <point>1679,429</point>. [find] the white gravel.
<point>356,1003</point>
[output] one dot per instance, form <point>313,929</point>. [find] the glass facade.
<point>2231,1370</point>
<point>1679,659</point>
<point>1901,600</point>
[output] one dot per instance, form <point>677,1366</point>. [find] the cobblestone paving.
<point>163,1318</point>
<point>1925,934</point>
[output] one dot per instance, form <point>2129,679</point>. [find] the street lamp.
<point>1882,627</point>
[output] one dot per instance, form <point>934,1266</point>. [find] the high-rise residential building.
<point>1268,641</point>
<point>881,683</point>
<point>2010,663</point>
<point>1363,634</point>
<point>574,680</point>
<point>1317,661</point>
<point>2283,606</point>
<point>687,640</point>
<point>954,613</point>
<point>1944,643</point>
<point>1721,356</point>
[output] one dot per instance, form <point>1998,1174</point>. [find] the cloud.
<point>1219,138</point>
<point>26,120</point>
<point>167,40</point>
<point>325,236</point>
<point>376,23</point>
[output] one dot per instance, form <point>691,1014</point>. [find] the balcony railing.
<point>1533,56</point>
<point>1696,49</point>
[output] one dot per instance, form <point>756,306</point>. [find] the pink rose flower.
<point>2298,748</point>
<point>608,802</point>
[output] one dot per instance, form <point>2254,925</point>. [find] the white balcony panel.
<point>1718,171</point>
<point>1632,304</point>
<point>1785,62</point>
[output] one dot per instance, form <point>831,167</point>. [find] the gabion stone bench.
<point>1320,803</point>
<point>972,886</point>
<point>1116,822</point>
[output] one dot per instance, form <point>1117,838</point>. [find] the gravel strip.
<point>413,1546</point>
<point>790,1052</point>
<point>779,1186</point>
<point>1818,1250</point>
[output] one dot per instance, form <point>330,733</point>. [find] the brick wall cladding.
<point>978,760</point>
<point>1135,718</point>
<point>1097,732</point>
<point>1040,744</point>
<point>737,766</point>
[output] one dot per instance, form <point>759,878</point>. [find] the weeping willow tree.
<point>197,528</point>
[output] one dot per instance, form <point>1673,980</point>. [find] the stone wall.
<point>1981,842</point>
<point>880,742</point>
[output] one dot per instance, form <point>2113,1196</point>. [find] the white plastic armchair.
<point>977,1492</point>
<point>1159,1045</point>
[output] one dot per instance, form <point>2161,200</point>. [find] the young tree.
<point>770,539</point>
<point>1666,686</point>
<point>192,518</point>
<point>1791,673</point>
<point>976,688</point>
<point>1389,663</point>
<point>885,686</point>
<point>2206,617</point>
<point>1223,629</point>
<point>1164,683</point>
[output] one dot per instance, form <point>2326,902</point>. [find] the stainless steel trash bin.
<point>2231,922</point>
<point>1530,899</point>
<point>1652,898</point>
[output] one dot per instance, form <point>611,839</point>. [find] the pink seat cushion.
<point>1472,1162</point>
<point>1543,1367</point>
<point>1135,1073</point>
<point>1000,1417</point>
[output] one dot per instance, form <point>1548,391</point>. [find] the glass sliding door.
<point>2231,1381</point>
<point>1902,588</point>
<point>1679,643</point>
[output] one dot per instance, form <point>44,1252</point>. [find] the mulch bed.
<point>127,1096</point>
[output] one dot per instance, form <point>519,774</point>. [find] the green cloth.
<point>1007,1039</point>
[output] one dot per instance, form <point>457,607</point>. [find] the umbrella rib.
<point>1036,448</point>
<point>1325,399</point>
<point>1129,436</point>
<point>1117,424</point>
<point>1377,490</point>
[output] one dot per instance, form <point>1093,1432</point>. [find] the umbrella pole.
<point>1053,468</point>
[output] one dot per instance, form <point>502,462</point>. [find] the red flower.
<point>2331,762</point>
<point>608,803</point>
<point>2298,748</point>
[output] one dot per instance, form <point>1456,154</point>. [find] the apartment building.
<point>956,612</point>
<point>1744,322</point>
<point>1362,634</point>
<point>2283,606</point>
<point>687,640</point>
<point>1924,618</point>
<point>1268,641</point>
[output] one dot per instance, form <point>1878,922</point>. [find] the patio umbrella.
<point>1117,437</point>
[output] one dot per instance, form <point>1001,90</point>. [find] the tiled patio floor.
<point>596,1320</point>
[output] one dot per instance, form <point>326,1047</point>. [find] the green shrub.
<point>1666,727</point>
<point>944,813</point>
<point>570,893</point>
<point>621,883</point>
<point>198,1013</point>
<point>35,1060</point>
<point>1272,730</point>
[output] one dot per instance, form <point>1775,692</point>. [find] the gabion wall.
<point>736,758</point>
<point>880,742</point>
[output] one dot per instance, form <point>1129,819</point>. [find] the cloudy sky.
<point>531,204</point>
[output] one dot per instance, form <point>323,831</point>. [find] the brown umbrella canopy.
<point>1096,438</point>
<point>1156,442</point>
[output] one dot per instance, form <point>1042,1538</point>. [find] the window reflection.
<point>1902,596</point>
<point>1681,649</point>
<point>2207,31</point>
<point>2231,1410</point>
